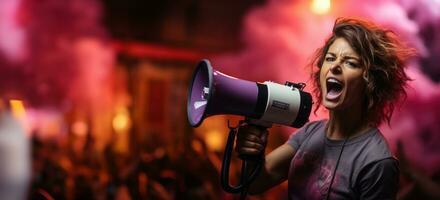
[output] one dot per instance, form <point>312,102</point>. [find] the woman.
<point>359,79</point>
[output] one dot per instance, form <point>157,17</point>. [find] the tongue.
<point>333,94</point>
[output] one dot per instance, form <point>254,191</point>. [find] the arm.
<point>379,180</point>
<point>275,170</point>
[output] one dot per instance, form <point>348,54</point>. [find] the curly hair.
<point>383,58</point>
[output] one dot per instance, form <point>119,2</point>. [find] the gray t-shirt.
<point>366,170</point>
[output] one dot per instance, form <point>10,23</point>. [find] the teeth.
<point>333,80</point>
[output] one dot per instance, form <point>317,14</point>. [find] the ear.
<point>366,76</point>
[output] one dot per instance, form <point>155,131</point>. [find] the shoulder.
<point>314,125</point>
<point>296,139</point>
<point>372,151</point>
<point>375,147</point>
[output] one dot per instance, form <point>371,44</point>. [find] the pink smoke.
<point>53,53</point>
<point>11,33</point>
<point>280,37</point>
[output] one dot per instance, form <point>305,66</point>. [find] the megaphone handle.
<point>245,179</point>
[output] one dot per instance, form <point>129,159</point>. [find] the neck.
<point>344,124</point>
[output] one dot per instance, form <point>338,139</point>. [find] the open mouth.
<point>334,88</point>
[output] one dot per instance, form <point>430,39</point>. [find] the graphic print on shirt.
<point>304,175</point>
<point>310,175</point>
<point>326,174</point>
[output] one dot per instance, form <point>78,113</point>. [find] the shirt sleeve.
<point>379,180</point>
<point>296,139</point>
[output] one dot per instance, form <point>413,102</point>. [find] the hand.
<point>251,140</point>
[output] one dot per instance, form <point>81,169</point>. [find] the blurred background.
<point>93,92</point>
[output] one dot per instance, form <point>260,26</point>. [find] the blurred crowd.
<point>58,172</point>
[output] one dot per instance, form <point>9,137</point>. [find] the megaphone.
<point>263,104</point>
<point>214,93</point>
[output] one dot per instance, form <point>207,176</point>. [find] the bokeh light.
<point>320,7</point>
<point>17,108</point>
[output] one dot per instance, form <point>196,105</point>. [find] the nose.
<point>336,68</point>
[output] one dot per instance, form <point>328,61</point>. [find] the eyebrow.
<point>346,57</point>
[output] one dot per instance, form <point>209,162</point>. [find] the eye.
<point>352,64</point>
<point>330,59</point>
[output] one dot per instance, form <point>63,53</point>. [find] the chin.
<point>330,106</point>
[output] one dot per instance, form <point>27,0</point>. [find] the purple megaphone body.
<point>214,93</point>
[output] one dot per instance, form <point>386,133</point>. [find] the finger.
<point>251,141</point>
<point>249,138</point>
<point>252,138</point>
<point>254,145</point>
<point>249,144</point>
<point>245,143</point>
<point>249,151</point>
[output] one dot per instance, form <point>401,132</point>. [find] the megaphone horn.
<point>214,93</point>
